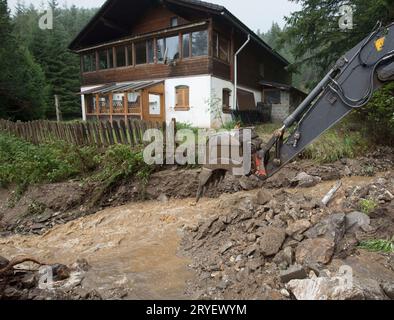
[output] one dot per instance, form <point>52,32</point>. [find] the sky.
<point>256,14</point>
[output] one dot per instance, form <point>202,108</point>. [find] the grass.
<point>384,246</point>
<point>343,141</point>
<point>367,206</point>
<point>23,164</point>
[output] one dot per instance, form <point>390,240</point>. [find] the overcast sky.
<point>257,14</point>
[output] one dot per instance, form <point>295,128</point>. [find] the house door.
<point>154,108</point>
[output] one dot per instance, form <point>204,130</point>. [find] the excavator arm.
<point>349,85</point>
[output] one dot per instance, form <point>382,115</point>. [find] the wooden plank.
<point>129,128</point>
<point>103,133</point>
<point>116,131</point>
<point>123,132</point>
<point>110,133</point>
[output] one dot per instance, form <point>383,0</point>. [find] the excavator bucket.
<point>225,153</point>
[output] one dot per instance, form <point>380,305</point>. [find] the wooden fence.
<point>101,134</point>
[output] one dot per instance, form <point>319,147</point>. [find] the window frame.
<point>185,91</point>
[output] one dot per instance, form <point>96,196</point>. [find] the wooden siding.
<point>187,67</point>
<point>154,19</point>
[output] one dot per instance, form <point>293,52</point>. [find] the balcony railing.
<point>104,107</point>
<point>118,106</point>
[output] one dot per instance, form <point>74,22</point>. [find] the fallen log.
<point>328,197</point>
<point>17,261</point>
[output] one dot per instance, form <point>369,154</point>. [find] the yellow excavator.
<point>349,85</point>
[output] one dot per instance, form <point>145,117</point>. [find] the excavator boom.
<point>349,85</point>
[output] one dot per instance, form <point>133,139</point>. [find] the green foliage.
<point>23,88</point>
<point>336,144</point>
<point>23,163</point>
<point>385,246</point>
<point>367,206</point>
<point>314,29</point>
<point>230,125</point>
<point>121,162</point>
<point>35,64</point>
<point>378,116</point>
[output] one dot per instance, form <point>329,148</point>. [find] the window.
<point>226,100</point>
<point>103,59</point>
<point>186,45</point>
<point>174,22</point>
<point>200,43</point>
<point>120,57</point>
<point>140,52</point>
<point>182,98</point>
<point>221,47</point>
<point>151,51</point>
<point>224,49</point>
<point>168,49</point>
<point>272,96</point>
<point>118,102</point>
<point>133,101</point>
<point>89,62</point>
<point>129,53</point>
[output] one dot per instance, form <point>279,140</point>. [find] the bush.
<point>385,246</point>
<point>367,206</point>
<point>378,116</point>
<point>23,163</point>
<point>336,144</point>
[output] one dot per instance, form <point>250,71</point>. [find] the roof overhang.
<point>121,87</point>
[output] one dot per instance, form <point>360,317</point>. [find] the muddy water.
<point>133,247</point>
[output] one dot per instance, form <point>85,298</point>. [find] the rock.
<point>263,197</point>
<point>315,251</point>
<point>29,281</point>
<point>294,272</point>
<point>3,262</point>
<point>298,227</point>
<point>255,264</point>
<point>249,251</point>
<point>226,247</point>
<point>333,228</point>
<point>37,226</point>
<point>272,240</point>
<point>356,220</point>
<point>388,289</point>
<point>81,265</point>
<point>248,183</point>
<point>304,180</point>
<point>163,198</point>
<point>284,258</point>
<point>335,288</point>
<point>60,272</point>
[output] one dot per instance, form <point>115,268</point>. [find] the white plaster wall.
<point>217,91</point>
<point>199,95</point>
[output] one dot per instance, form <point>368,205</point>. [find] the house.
<point>162,59</point>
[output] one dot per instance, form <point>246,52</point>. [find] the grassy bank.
<point>346,140</point>
<point>23,164</point>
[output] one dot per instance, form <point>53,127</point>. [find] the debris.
<point>328,197</point>
<point>315,251</point>
<point>294,272</point>
<point>226,247</point>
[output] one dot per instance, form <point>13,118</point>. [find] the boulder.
<point>272,240</point>
<point>334,288</point>
<point>294,272</point>
<point>356,221</point>
<point>298,227</point>
<point>263,197</point>
<point>284,258</point>
<point>333,228</point>
<point>315,251</point>
<point>60,272</point>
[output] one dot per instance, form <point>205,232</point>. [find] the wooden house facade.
<point>165,59</point>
